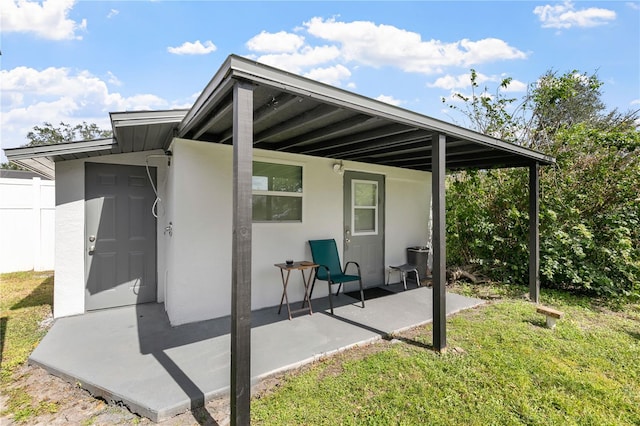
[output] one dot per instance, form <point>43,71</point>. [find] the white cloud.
<point>566,16</point>
<point>635,102</point>
<point>280,42</point>
<point>389,99</point>
<point>31,97</point>
<point>516,86</point>
<point>385,45</point>
<point>113,79</point>
<point>112,13</point>
<point>634,6</point>
<point>48,19</point>
<point>330,75</point>
<point>306,57</point>
<point>349,45</point>
<point>463,81</point>
<point>195,48</point>
<point>486,50</point>
<point>185,103</point>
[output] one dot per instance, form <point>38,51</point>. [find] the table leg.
<point>306,281</point>
<point>285,282</point>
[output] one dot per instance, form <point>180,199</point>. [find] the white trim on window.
<point>281,194</point>
<point>374,207</point>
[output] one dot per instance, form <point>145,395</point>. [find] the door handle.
<point>347,238</point>
<point>92,249</point>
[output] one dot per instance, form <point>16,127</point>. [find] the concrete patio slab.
<point>133,357</point>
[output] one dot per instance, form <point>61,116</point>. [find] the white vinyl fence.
<point>27,212</point>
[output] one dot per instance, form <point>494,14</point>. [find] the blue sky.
<point>75,61</point>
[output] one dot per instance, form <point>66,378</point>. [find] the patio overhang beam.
<point>379,139</point>
<point>307,119</point>
<point>325,112</point>
<point>405,146</point>
<point>486,162</point>
<point>308,89</point>
<point>216,116</point>
<point>420,151</point>
<point>218,89</point>
<point>264,113</point>
<point>372,138</point>
<point>336,130</point>
<point>420,160</point>
<point>482,161</point>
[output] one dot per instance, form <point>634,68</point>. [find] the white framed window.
<point>277,192</point>
<point>364,207</point>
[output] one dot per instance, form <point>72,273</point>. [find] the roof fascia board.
<point>44,167</point>
<point>140,118</point>
<point>212,93</point>
<point>245,69</point>
<point>59,149</point>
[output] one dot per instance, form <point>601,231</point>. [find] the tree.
<point>562,101</point>
<point>47,134</point>
<point>589,207</point>
<point>489,114</point>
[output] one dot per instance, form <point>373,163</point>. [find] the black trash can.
<point>419,256</point>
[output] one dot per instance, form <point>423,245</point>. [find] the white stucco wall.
<point>194,262</point>
<point>199,199</point>
<point>69,229</point>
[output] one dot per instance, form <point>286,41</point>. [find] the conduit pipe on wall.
<point>158,200</point>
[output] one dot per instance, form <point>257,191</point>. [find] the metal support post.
<point>438,173</point>
<point>240,398</point>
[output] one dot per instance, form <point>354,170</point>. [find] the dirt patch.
<point>68,404</point>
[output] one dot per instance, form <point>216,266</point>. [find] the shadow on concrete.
<point>133,357</point>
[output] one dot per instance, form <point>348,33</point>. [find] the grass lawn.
<point>503,367</point>
<point>26,299</point>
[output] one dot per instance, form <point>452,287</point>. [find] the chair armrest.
<point>327,269</point>
<point>346,265</point>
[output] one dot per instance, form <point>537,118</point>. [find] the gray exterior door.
<point>120,236</point>
<point>364,224</point>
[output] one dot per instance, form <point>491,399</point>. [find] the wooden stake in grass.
<point>551,314</point>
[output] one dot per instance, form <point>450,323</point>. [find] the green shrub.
<point>589,215</point>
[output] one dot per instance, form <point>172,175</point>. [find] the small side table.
<point>404,270</point>
<point>306,280</point>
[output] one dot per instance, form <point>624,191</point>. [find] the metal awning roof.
<point>132,132</point>
<point>297,115</point>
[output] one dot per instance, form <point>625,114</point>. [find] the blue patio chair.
<point>325,254</point>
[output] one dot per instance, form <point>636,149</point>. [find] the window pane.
<point>276,208</point>
<point>260,183</point>
<point>365,194</point>
<point>365,220</point>
<point>277,177</point>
